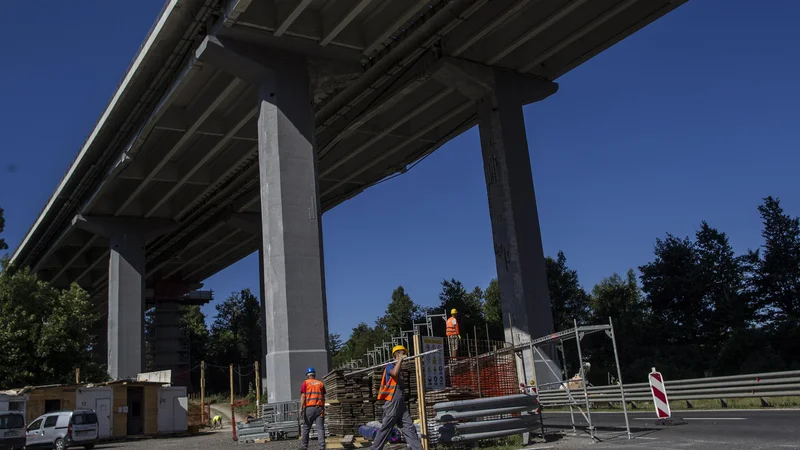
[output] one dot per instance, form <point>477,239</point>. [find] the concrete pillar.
<point>294,280</point>
<point>126,292</point>
<point>170,343</point>
<point>126,304</point>
<point>263,310</point>
<point>515,221</point>
<point>499,96</point>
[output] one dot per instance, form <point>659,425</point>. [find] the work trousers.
<point>313,415</point>
<point>396,413</point>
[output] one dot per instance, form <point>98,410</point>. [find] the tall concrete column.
<point>294,280</point>
<point>126,293</point>
<point>171,352</point>
<point>499,96</point>
<point>516,233</point>
<point>263,310</point>
<point>126,304</point>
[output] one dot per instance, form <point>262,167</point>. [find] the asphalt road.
<point>709,430</point>
<point>706,430</point>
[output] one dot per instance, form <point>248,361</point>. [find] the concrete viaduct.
<point>240,122</point>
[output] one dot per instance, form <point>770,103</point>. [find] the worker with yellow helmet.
<point>392,391</point>
<point>453,333</point>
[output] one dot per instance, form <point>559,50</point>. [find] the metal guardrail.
<point>761,385</point>
<point>448,413</point>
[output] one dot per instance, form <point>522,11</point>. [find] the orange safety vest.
<point>452,327</point>
<point>315,393</point>
<point>388,386</point>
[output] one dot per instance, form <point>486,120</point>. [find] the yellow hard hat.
<point>397,348</point>
<point>453,311</point>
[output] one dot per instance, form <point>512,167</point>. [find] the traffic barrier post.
<point>660,400</point>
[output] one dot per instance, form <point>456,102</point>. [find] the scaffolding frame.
<point>558,338</point>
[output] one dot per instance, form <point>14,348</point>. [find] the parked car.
<point>12,430</point>
<point>64,429</point>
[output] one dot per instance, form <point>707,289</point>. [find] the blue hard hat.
<point>310,370</point>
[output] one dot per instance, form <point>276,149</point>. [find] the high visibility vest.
<point>388,386</point>
<point>452,327</point>
<point>314,393</point>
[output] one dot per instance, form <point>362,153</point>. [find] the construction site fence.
<point>487,418</point>
<point>762,385</point>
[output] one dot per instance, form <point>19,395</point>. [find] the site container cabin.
<point>124,408</point>
<point>11,401</point>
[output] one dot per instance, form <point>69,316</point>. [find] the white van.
<point>12,430</point>
<point>64,429</point>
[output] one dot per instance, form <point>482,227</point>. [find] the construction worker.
<point>312,407</point>
<point>216,421</point>
<point>453,333</point>
<point>394,410</point>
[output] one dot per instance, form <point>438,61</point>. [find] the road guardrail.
<point>761,385</point>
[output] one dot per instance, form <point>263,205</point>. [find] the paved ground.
<point>706,430</point>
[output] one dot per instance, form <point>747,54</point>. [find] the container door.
<point>165,405</point>
<point>103,410</point>
<point>180,411</point>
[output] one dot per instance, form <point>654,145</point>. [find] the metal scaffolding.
<point>559,338</point>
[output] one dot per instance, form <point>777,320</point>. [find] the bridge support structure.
<point>499,96</point>
<point>126,291</point>
<point>291,256</point>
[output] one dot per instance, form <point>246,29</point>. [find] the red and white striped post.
<point>660,399</point>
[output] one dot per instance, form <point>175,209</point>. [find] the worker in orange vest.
<point>312,408</point>
<point>392,391</point>
<point>453,333</point>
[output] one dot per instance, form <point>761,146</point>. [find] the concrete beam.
<point>248,222</point>
<point>171,172</point>
<point>217,124</point>
<point>475,81</point>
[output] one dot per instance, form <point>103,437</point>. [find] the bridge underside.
<point>388,82</point>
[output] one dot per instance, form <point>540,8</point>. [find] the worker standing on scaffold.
<point>312,408</point>
<point>453,333</point>
<point>394,410</point>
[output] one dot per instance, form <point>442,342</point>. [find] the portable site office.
<point>124,408</point>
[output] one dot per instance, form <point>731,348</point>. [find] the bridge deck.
<point>178,140</point>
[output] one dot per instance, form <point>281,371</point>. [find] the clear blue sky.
<point>693,118</point>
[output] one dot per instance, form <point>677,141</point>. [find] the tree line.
<point>696,309</point>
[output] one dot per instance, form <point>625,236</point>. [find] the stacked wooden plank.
<point>339,387</point>
<point>344,418</point>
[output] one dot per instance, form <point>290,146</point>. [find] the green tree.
<point>568,300</point>
<point>493,311</point>
<point>776,279</point>
<point>3,245</point>
<point>235,338</point>
<point>46,332</point>
<point>620,299</point>
<point>401,313</point>
<point>722,276</point>
<point>362,339</point>
<point>195,333</point>
<point>334,343</point>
